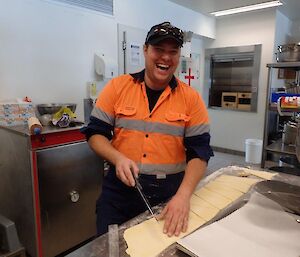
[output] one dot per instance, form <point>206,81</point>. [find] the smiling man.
<point>155,127</point>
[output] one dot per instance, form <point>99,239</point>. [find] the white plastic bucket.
<point>253,150</point>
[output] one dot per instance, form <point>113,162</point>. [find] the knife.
<point>139,188</point>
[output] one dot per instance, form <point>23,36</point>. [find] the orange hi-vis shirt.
<point>154,140</point>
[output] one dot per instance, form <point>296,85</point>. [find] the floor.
<point>221,160</point>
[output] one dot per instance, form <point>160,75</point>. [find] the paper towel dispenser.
<point>104,66</point>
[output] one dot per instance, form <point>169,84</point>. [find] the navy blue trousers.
<point>119,203</point>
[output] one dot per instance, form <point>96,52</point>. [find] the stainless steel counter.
<point>100,246</point>
<point>23,129</point>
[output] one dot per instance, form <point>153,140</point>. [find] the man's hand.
<point>125,168</point>
<point>176,212</point>
<point>176,215</point>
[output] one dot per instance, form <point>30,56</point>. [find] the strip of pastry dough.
<point>202,208</point>
<point>148,240</point>
<point>261,174</point>
<point>213,198</point>
<point>237,180</point>
<point>225,190</point>
<point>238,183</point>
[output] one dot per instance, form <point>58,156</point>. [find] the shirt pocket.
<point>125,111</point>
<point>177,117</point>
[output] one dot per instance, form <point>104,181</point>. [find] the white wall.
<point>197,47</point>
<point>144,14</point>
<point>283,30</point>
<point>229,129</point>
<point>47,48</point>
<point>282,36</point>
<point>295,31</point>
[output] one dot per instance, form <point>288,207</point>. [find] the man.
<point>159,132</point>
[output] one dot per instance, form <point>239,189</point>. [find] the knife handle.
<point>137,183</point>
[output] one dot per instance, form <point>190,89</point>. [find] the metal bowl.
<point>53,108</point>
<point>288,53</point>
<point>288,56</point>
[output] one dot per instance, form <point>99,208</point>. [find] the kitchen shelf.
<point>277,147</point>
<point>273,107</point>
<point>292,65</point>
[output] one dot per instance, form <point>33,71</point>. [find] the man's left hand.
<point>176,215</point>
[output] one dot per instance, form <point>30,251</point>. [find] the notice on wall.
<point>135,54</point>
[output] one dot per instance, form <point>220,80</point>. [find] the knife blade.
<point>139,188</point>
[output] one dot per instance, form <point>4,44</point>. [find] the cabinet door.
<point>70,179</point>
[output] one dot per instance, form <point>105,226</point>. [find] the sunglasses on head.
<point>164,29</point>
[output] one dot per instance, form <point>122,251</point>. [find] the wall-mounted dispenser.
<point>105,66</point>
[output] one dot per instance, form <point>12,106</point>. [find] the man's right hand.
<point>125,168</point>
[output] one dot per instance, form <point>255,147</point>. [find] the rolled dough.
<point>261,174</point>
<point>148,240</point>
<point>213,198</point>
<point>202,208</point>
<point>224,190</point>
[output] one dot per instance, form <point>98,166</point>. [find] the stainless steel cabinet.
<point>49,185</point>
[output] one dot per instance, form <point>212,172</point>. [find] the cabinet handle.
<point>43,139</point>
<point>74,196</point>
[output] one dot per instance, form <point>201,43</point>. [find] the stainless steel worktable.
<point>23,129</point>
<point>100,247</point>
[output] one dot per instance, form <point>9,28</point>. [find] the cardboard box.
<point>229,100</point>
<point>244,101</point>
<point>12,114</point>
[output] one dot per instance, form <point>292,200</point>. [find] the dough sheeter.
<point>278,189</point>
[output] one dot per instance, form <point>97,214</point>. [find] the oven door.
<point>70,178</point>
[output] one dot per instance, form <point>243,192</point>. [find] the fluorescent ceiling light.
<point>247,8</point>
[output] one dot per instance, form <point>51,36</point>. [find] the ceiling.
<point>290,8</point>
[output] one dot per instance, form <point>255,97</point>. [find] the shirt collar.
<point>139,76</point>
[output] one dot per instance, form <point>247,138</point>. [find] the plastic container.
<point>253,150</point>
<point>34,126</point>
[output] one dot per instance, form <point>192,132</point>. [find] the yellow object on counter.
<point>64,110</point>
<point>63,117</point>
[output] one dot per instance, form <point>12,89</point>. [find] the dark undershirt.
<point>153,96</point>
